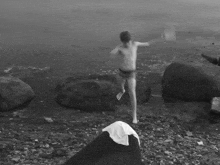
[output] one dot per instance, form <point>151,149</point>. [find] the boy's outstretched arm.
<point>114,52</point>
<point>149,42</point>
<point>142,43</point>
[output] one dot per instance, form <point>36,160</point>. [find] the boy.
<point>127,70</point>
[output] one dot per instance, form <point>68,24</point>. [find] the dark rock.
<point>213,60</point>
<point>88,95</point>
<point>104,151</point>
<point>95,93</point>
<point>14,93</point>
<point>190,82</point>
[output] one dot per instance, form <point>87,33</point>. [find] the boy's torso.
<point>129,56</point>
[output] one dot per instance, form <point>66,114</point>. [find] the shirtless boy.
<point>127,70</point>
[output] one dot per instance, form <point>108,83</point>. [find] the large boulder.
<point>104,151</point>
<point>190,82</point>
<point>14,93</point>
<point>94,93</point>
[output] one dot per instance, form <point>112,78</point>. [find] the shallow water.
<point>92,22</point>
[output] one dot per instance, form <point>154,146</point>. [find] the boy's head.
<point>125,36</point>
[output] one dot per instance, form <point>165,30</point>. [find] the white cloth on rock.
<point>119,131</point>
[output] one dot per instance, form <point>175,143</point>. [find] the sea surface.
<point>98,22</point>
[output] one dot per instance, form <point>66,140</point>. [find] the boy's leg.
<point>122,84</point>
<point>132,94</point>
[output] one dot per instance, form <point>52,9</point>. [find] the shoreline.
<point>69,60</point>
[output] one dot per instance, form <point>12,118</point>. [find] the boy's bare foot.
<point>119,95</point>
<point>135,121</point>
